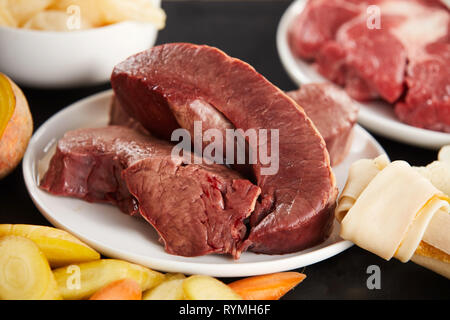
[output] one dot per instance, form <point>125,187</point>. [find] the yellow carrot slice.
<point>207,288</point>
<point>80,281</point>
<point>59,246</point>
<point>24,272</point>
<point>170,289</point>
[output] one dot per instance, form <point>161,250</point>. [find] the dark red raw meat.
<point>196,209</point>
<point>333,113</point>
<point>295,210</point>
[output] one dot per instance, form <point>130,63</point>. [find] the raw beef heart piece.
<point>295,210</point>
<point>333,113</point>
<point>196,209</point>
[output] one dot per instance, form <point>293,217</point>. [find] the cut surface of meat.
<point>333,113</point>
<point>196,209</point>
<point>318,24</point>
<point>295,210</point>
<point>119,117</point>
<point>187,115</point>
<point>88,165</point>
<point>427,103</point>
<point>425,35</point>
<point>373,56</point>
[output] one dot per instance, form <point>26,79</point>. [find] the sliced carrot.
<point>124,289</point>
<point>267,287</point>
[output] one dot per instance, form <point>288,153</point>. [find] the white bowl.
<point>46,59</point>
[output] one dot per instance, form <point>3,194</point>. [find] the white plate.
<point>376,116</point>
<point>118,235</point>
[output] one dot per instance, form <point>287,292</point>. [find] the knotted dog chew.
<point>360,174</point>
<point>395,212</point>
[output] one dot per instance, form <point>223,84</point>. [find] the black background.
<point>246,30</point>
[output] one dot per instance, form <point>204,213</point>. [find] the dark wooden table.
<point>246,30</point>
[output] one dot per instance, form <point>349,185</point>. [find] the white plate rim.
<point>390,128</point>
<point>212,269</point>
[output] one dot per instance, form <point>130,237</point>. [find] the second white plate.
<point>118,235</point>
<point>376,116</point>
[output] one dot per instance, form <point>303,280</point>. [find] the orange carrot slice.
<point>267,287</point>
<point>124,289</point>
